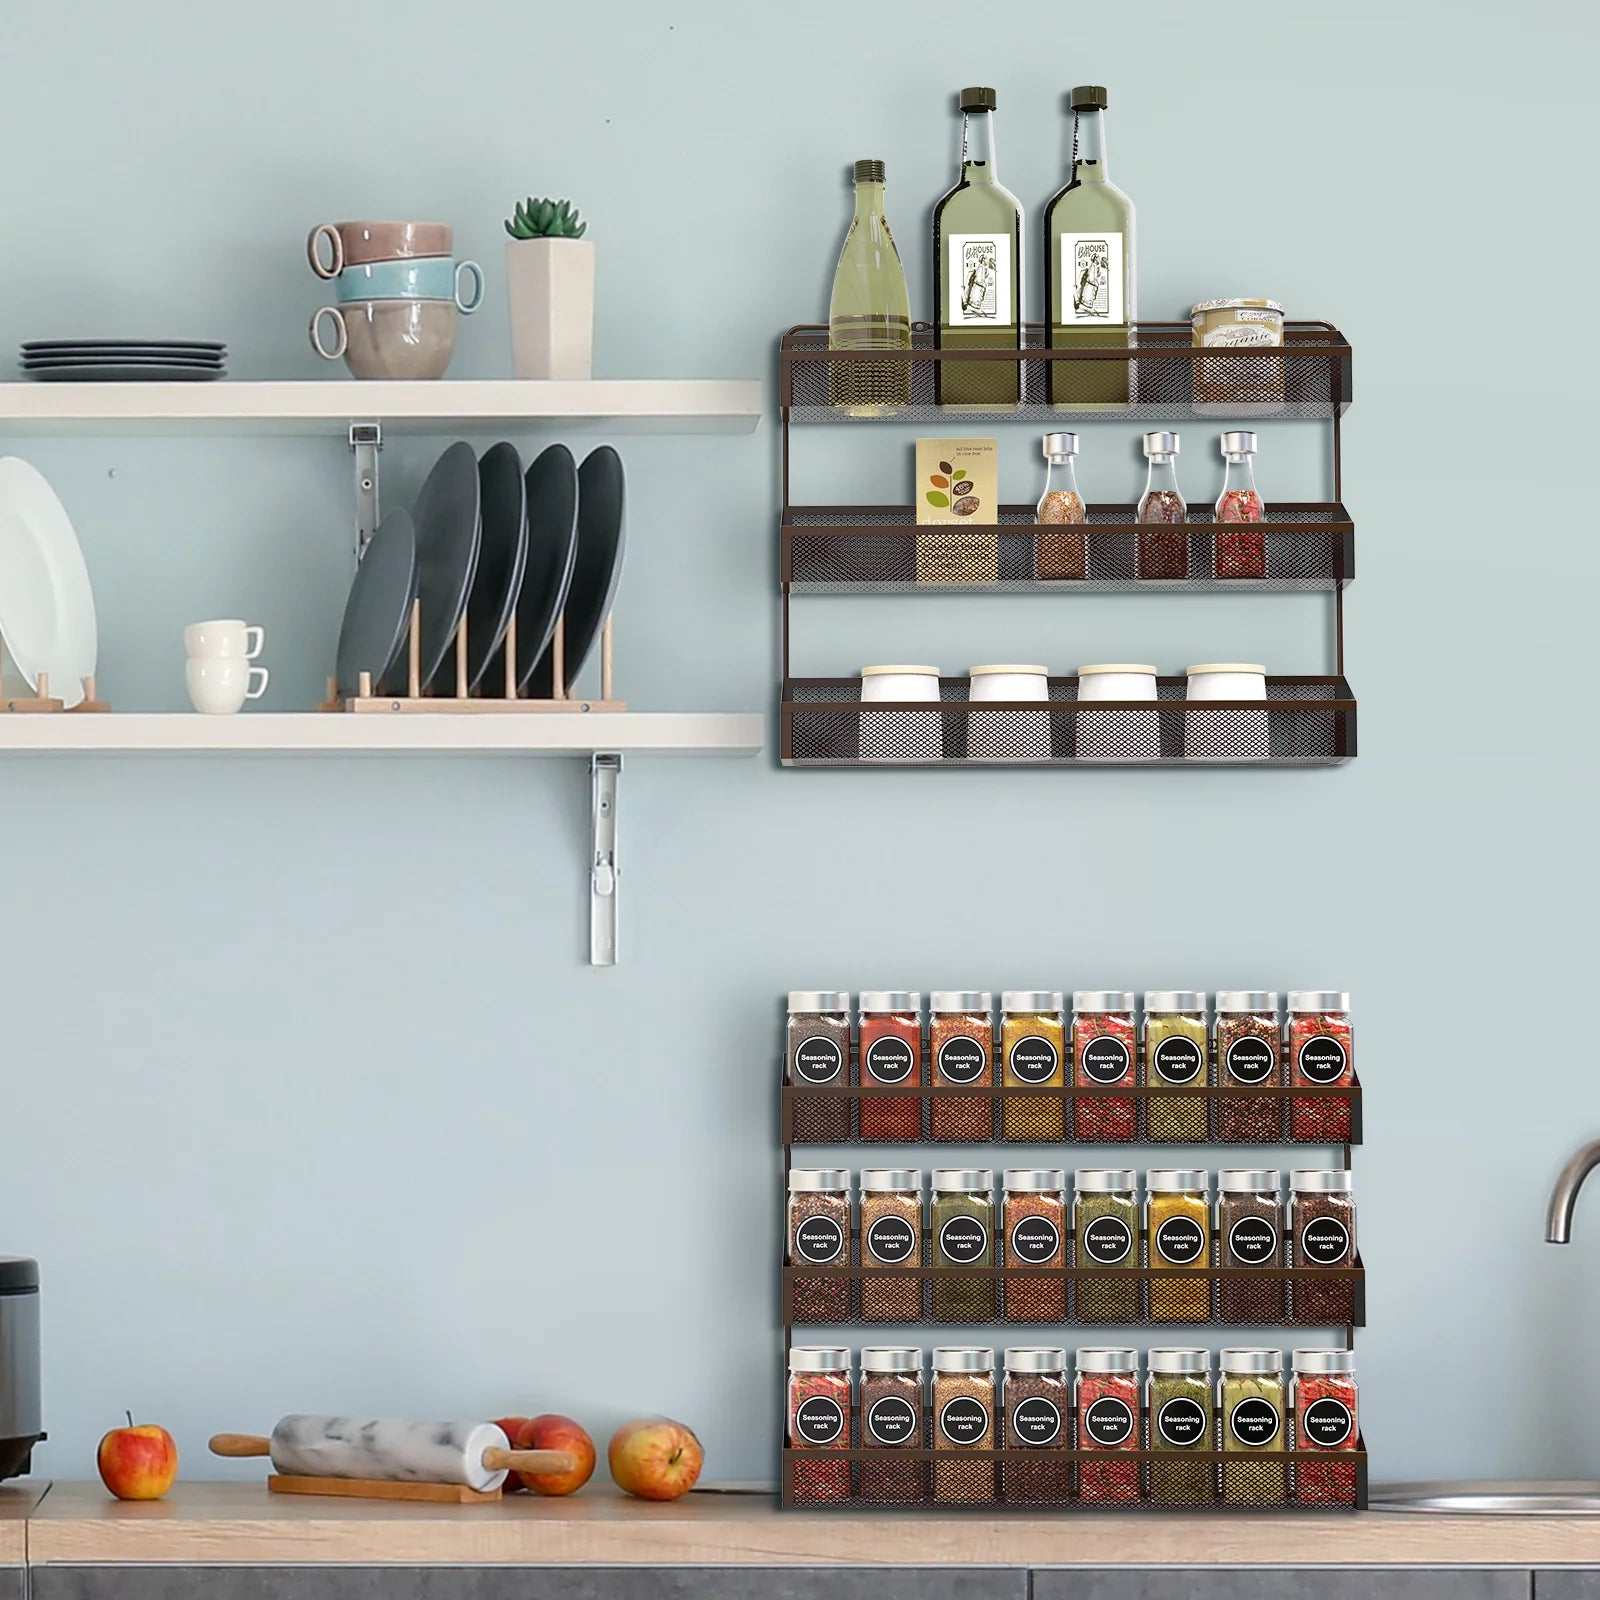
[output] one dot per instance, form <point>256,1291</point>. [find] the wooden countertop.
<point>16,1501</point>
<point>206,1524</point>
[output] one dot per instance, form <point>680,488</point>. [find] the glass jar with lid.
<point>1177,1225</point>
<point>961,1056</point>
<point>963,1422</point>
<point>818,1411</point>
<point>1163,514</point>
<point>1059,555</point>
<point>1321,1053</point>
<point>817,1065</point>
<point>819,1237</point>
<point>1034,1233</point>
<point>1178,1400</point>
<point>1322,1226</point>
<point>1033,1045</point>
<point>1250,1236</point>
<point>1241,546</point>
<point>891,1055</point>
<point>1322,1401</point>
<point>1038,1412</point>
<point>891,1236</point>
<point>1248,1056</point>
<point>1176,1057</point>
<point>1250,1400</point>
<point>892,1419</point>
<point>1105,1233</point>
<point>1105,1048</point>
<point>963,1236</point>
<point>1107,1405</point>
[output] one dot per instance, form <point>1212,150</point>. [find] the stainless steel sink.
<point>1560,1499</point>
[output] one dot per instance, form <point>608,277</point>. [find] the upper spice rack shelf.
<point>1307,378</point>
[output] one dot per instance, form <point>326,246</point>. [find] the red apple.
<point>655,1458</point>
<point>552,1431</point>
<point>511,1427</point>
<point>138,1462</point>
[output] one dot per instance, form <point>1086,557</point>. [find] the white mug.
<point>227,638</point>
<point>219,685</point>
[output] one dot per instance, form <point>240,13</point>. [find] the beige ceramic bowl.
<point>351,244</point>
<point>388,338</point>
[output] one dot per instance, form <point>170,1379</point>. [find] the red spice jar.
<point>961,1055</point>
<point>1323,1402</point>
<point>1247,1042</point>
<point>1107,1394</point>
<point>1034,1231</point>
<point>1104,1050</point>
<point>891,1053</point>
<point>1241,545</point>
<point>1321,1054</point>
<point>818,1410</point>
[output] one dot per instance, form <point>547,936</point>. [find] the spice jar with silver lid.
<point>1250,1236</point>
<point>1107,1405</point>
<point>1178,1400</point>
<point>819,1236</point>
<point>818,1411</point>
<point>1177,1224</point>
<point>1105,1054</point>
<point>891,1055</point>
<point>891,1236</point>
<point>1034,1232</point>
<point>1322,1401</point>
<point>961,1056</point>
<point>1163,515</point>
<point>1059,556</point>
<point>963,1421</point>
<point>1105,1233</point>
<point>1250,1399</point>
<point>1322,1228</point>
<point>1240,545</point>
<point>1176,1054</point>
<point>817,1064</point>
<point>1320,1050</point>
<point>963,1236</point>
<point>1038,1411</point>
<point>1248,1056</point>
<point>892,1419</point>
<point>1033,1053</point>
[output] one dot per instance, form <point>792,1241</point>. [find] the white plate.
<point>46,604</point>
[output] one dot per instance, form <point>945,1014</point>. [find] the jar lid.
<point>1031,1000</point>
<point>963,1180</point>
<point>1249,1180</point>
<point>1098,1358</point>
<point>818,1358</point>
<point>869,171</point>
<point>1102,999</point>
<point>963,1358</point>
<point>1235,303</point>
<point>808,1179</point>
<point>888,1000</point>
<point>1088,97</point>
<point>1058,446</point>
<point>1238,442</point>
<point>1253,1361</point>
<point>1175,1180</point>
<point>1105,1180</point>
<point>18,1275</point>
<point>977,99</point>
<point>818,1000</point>
<point>1247,1000</point>
<point>891,1358</point>
<point>1181,1361</point>
<point>1142,668</point>
<point>1335,1361</point>
<point>996,671</point>
<point>1164,1000</point>
<point>1161,443</point>
<point>1318,1000</point>
<point>1035,1180</point>
<point>1036,1358</point>
<point>1314,1180</point>
<point>889,672</point>
<point>1253,668</point>
<point>890,1180</point>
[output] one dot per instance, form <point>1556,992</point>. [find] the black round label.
<point>890,1060</point>
<point>892,1420</point>
<point>964,1420</point>
<point>1034,1059</point>
<point>1109,1421</point>
<point>963,1240</point>
<point>1252,1242</point>
<point>1178,1059</point>
<point>1106,1059</point>
<point>818,1059</point>
<point>1106,1240</point>
<point>819,1240</point>
<point>1180,1241</point>
<point>1249,1060</point>
<point>1322,1059</point>
<point>1254,1422</point>
<point>962,1059</point>
<point>891,1240</point>
<point>819,1420</point>
<point>1326,1423</point>
<point>1035,1240</point>
<point>1036,1420</point>
<point>1183,1422</point>
<point>1325,1242</point>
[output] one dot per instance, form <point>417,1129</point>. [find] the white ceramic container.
<point>1117,735</point>
<point>1008,735</point>
<point>550,286</point>
<point>1227,735</point>
<point>220,685</point>
<point>224,637</point>
<point>910,735</point>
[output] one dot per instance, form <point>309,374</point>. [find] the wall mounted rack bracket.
<point>366,440</point>
<point>604,769</point>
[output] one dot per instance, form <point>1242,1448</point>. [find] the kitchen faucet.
<point>1558,1225</point>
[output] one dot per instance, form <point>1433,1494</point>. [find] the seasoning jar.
<point>998,734</point>
<point>891,1054</point>
<point>818,1410</point>
<point>1241,546</point>
<point>1163,516</point>
<point>1226,733</point>
<point>913,733</point>
<point>1176,1052</point>
<point>891,1419</point>
<point>1178,1400</point>
<point>1247,1050</point>
<point>1177,1225</point>
<point>1038,1410</point>
<point>1322,1401</point>
<point>1107,1402</point>
<point>963,1222</point>
<point>1322,1224</point>
<point>1250,1235</point>
<point>1321,1055</point>
<point>819,1236</point>
<point>1105,1233</point>
<point>1116,733</point>
<point>1250,1398</point>
<point>1034,1230</point>
<point>1104,1048</point>
<point>1249,386</point>
<point>1032,1046</point>
<point>963,1421</point>
<point>961,1055</point>
<point>891,1236</point>
<point>1060,556</point>
<point>818,1062</point>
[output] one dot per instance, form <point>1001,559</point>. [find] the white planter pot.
<point>550,286</point>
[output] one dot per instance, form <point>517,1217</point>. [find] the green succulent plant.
<point>545,219</point>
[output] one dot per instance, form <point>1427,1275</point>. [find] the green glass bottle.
<point>1089,265</point>
<point>870,308</point>
<point>977,270</point>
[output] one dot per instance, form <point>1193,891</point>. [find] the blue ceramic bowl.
<point>420,278</point>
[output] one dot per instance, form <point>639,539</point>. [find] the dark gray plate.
<point>41,363</point>
<point>552,491</point>
<point>152,373</point>
<point>502,556</point>
<point>120,344</point>
<point>378,611</point>
<point>598,566</point>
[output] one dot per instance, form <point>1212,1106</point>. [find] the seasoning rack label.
<point>891,1240</point>
<point>1253,1242</point>
<point>889,1060</point>
<point>1034,1059</point>
<point>1109,1421</point>
<point>818,1059</point>
<point>1035,1241</point>
<point>1322,1059</point>
<point>1180,1241</point>
<point>964,1420</point>
<point>1178,1060</point>
<point>1250,1061</point>
<point>818,1240</point>
<point>1106,1059</point>
<point>892,1420</point>
<point>1326,1423</point>
<point>962,1059</point>
<point>1107,1240</point>
<point>963,1240</point>
<point>1183,1423</point>
<point>1325,1242</point>
<point>819,1420</point>
<point>1254,1422</point>
<point>1036,1421</point>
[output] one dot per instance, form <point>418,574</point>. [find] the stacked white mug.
<point>219,671</point>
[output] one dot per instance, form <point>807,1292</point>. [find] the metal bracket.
<point>366,440</point>
<point>603,868</point>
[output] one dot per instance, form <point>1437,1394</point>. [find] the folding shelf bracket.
<point>366,440</point>
<point>604,769</point>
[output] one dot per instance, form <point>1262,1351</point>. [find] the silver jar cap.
<point>963,1180</point>
<point>1318,1180</point>
<point>1244,1363</point>
<point>1247,1000</point>
<point>1318,1000</point>
<point>1036,1358</point>
<point>882,1000</point>
<point>1031,1000</point>
<point>1058,447</point>
<point>1181,1361</point>
<point>963,1358</point>
<point>1105,1180</point>
<point>1249,1180</point>
<point>944,1001</point>
<point>890,1180</point>
<point>1175,1180</point>
<point>801,1000</point>
<point>818,1358</point>
<point>1099,1358</point>
<point>1164,1000</point>
<point>1161,444</point>
<point>1339,1362</point>
<point>1102,999</point>
<point>1035,1180</point>
<point>1238,442</point>
<point>891,1358</point>
<point>805,1180</point>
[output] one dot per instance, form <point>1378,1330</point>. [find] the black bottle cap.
<point>977,99</point>
<point>869,172</point>
<point>1089,97</point>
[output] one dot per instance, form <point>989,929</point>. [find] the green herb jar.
<point>1178,1399</point>
<point>963,1236</point>
<point>1105,1233</point>
<point>1251,1398</point>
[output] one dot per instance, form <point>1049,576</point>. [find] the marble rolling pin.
<point>474,1455</point>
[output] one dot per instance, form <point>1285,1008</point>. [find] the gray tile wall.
<point>1285,1584</point>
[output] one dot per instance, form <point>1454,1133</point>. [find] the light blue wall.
<point>310,1100</point>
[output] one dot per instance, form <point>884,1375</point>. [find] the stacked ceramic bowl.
<point>399,290</point>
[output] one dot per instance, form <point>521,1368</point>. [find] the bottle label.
<point>1091,280</point>
<point>962,1059</point>
<point>1034,1059</point>
<point>1107,1240</point>
<point>1252,1242</point>
<point>1036,1420</point>
<point>1254,1422</point>
<point>1231,334</point>
<point>1322,1059</point>
<point>979,274</point>
<point>1182,1423</point>
<point>819,1240</point>
<point>818,1059</point>
<point>1178,1059</point>
<point>890,1060</point>
<point>1106,1059</point>
<point>1324,1242</point>
<point>1326,1423</point>
<point>892,1420</point>
<point>1180,1241</point>
<point>1249,1060</point>
<point>1035,1240</point>
<point>1109,1421</point>
<point>963,1240</point>
<point>819,1420</point>
<point>891,1240</point>
<point>964,1420</point>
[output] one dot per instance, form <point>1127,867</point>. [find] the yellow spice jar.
<point>1032,1049</point>
<point>1177,1224</point>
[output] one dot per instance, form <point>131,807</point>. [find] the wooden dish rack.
<point>42,700</point>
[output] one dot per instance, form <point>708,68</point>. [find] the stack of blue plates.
<point>123,360</point>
